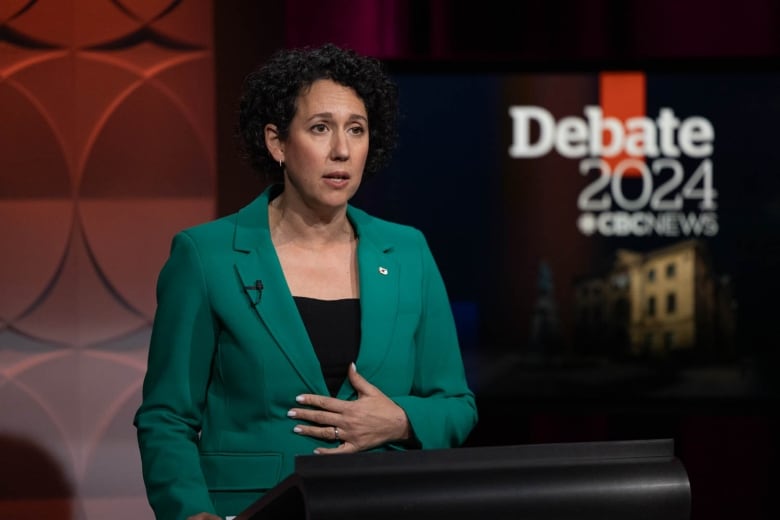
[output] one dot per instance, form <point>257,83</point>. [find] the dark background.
<point>728,445</point>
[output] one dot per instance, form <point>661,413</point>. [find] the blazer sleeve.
<point>174,391</point>
<point>441,408</point>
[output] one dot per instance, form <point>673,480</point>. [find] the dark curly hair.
<point>271,91</point>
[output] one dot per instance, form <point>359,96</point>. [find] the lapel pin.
<point>382,270</point>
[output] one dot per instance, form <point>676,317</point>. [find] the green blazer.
<point>227,359</point>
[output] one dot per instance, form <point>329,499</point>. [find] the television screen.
<point>604,232</point>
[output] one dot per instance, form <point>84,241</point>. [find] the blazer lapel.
<point>379,293</point>
<point>266,290</point>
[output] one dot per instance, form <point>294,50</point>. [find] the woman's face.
<point>326,149</point>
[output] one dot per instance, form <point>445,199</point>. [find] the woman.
<point>300,324</point>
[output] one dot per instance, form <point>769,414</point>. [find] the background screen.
<point>604,234</point>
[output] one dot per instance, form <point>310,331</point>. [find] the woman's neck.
<point>299,225</point>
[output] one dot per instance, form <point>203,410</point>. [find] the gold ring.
<point>336,433</point>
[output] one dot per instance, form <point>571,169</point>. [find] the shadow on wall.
<point>32,483</point>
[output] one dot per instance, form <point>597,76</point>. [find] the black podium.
<point>634,480</point>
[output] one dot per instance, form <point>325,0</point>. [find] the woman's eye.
<point>319,128</point>
<point>357,130</point>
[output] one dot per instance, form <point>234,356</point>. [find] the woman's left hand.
<point>369,421</point>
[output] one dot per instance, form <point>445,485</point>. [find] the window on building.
<point>670,270</point>
<point>651,275</point>
<point>668,340</point>
<point>622,310</point>
<point>671,303</point>
<point>651,306</point>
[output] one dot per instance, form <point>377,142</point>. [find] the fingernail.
<point>299,398</point>
<point>352,365</point>
<point>297,429</point>
<point>291,413</point>
<point>317,451</point>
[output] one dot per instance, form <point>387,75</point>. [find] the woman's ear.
<point>273,142</point>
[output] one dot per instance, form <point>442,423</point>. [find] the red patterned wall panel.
<point>107,147</point>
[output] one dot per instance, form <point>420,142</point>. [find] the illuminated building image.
<point>665,301</point>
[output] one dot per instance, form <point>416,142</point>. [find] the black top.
<point>334,331</point>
